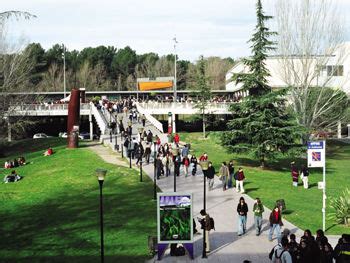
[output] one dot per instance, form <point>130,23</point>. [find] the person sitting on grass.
<point>48,152</point>
<point>7,164</point>
<point>21,161</point>
<point>13,177</point>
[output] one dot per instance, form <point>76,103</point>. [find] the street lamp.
<point>204,165</point>
<point>101,173</point>
<point>110,125</point>
<point>129,151</point>
<point>64,70</point>
<point>122,142</point>
<point>175,152</point>
<point>175,42</point>
<point>155,170</point>
<point>140,163</point>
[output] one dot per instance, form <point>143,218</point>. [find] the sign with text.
<point>175,224</point>
<point>316,154</point>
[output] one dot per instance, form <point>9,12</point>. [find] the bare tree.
<point>53,78</point>
<point>216,69</point>
<point>84,74</point>
<point>15,68</point>
<point>310,54</point>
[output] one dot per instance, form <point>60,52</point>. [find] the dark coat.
<point>273,220</point>
<point>242,209</point>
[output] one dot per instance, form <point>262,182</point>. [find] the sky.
<point>202,27</point>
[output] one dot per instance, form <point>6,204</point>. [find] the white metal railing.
<point>100,119</point>
<point>150,118</point>
<point>154,107</point>
<point>45,107</point>
<point>187,105</point>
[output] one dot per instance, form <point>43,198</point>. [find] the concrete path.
<point>225,244</point>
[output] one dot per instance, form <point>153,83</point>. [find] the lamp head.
<point>204,165</point>
<point>101,173</point>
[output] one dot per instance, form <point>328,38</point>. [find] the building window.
<point>333,71</point>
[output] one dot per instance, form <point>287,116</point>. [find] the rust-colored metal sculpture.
<point>73,119</point>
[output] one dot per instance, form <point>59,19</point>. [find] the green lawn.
<point>303,206</point>
<point>52,215</point>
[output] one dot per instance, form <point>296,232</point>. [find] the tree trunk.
<point>262,162</point>
<point>204,135</point>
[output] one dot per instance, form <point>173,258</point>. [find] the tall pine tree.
<point>261,124</point>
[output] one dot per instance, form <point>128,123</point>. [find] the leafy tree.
<point>203,91</point>
<point>261,124</point>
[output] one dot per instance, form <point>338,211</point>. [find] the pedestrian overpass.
<point>149,109</point>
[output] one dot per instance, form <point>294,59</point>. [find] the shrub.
<point>341,206</point>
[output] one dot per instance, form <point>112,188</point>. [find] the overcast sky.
<point>202,27</point>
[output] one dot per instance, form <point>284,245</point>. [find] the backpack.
<point>212,223</point>
<point>273,250</point>
<point>278,259</point>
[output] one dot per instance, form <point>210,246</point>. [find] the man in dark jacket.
<point>342,250</point>
<point>210,173</point>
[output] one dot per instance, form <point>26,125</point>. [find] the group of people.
<point>303,173</point>
<point>15,163</point>
<point>228,176</point>
<point>310,249</point>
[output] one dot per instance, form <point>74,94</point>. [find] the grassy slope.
<point>304,206</point>
<point>53,213</point>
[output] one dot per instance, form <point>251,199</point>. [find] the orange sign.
<point>154,85</point>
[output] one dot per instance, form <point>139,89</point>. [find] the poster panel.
<point>316,154</point>
<point>174,216</point>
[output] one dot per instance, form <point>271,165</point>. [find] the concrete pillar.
<point>339,130</point>
<point>174,122</point>
<point>9,132</point>
<point>348,130</point>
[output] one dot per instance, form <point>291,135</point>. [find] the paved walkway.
<point>225,244</point>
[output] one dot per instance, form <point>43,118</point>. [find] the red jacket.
<point>176,138</point>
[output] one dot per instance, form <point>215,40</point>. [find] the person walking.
<point>258,209</point>
<point>210,175</point>
<point>239,176</point>
<point>275,220</point>
<point>304,176</point>
<point>295,174</point>
<point>194,162</point>
<point>205,224</point>
<point>177,163</point>
<point>143,120</point>
<point>224,174</point>
<point>176,139</point>
<point>186,164</point>
<point>148,152</point>
<point>282,252</point>
<point>242,210</point>
<point>203,157</point>
<point>231,169</point>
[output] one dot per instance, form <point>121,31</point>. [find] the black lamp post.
<point>140,152</point>
<point>101,173</point>
<point>204,165</point>
<point>175,152</point>
<point>155,170</point>
<point>129,151</point>
<point>110,125</point>
<point>122,142</point>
